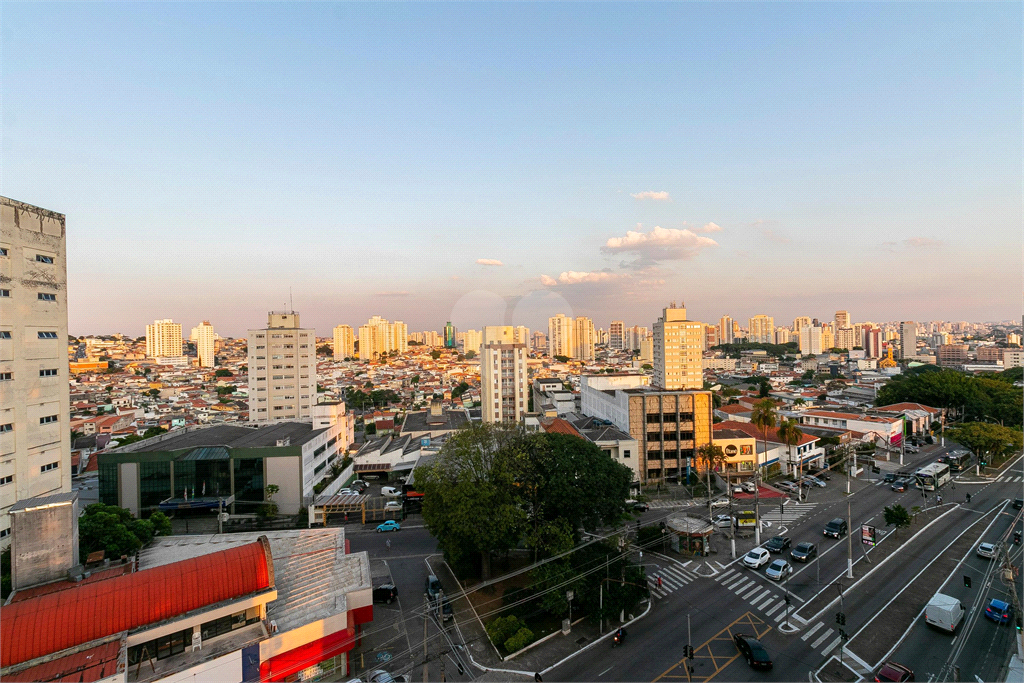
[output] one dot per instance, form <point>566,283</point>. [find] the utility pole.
<point>787,596</point>
<point>426,617</point>
<point>842,631</point>
<point>846,452</point>
<point>849,541</point>
<point>757,494</point>
<point>689,647</point>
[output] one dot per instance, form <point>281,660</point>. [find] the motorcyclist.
<point>620,635</point>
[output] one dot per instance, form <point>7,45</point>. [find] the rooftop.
<point>230,436</point>
<point>418,422</point>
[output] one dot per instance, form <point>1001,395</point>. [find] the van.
<point>836,528</point>
<point>944,612</point>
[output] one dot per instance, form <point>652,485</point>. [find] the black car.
<point>890,477</point>
<point>900,485</point>
<point>641,507</point>
<point>804,552</point>
<point>777,544</point>
<point>446,610</point>
<point>386,592</point>
<point>751,648</point>
<point>1018,503</point>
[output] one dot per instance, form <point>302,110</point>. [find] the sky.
<point>500,163</point>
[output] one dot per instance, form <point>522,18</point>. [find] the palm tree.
<point>790,433</point>
<point>764,417</point>
<point>709,457</point>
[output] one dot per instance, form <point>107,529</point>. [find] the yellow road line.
<point>719,662</point>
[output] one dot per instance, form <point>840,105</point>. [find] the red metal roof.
<point>85,666</point>
<point>56,621</point>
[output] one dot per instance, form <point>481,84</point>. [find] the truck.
<point>944,612</point>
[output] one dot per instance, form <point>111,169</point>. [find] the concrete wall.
<point>128,482</point>
<point>45,543</point>
<point>226,669</point>
<point>286,473</point>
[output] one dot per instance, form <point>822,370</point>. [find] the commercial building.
<point>761,329</point>
<point>503,384</point>
<point>908,339</point>
<point>725,328</point>
<point>344,342</point>
<point>282,370</point>
<point>678,350</point>
<point>560,340</point>
<point>615,335</point>
<point>449,335</point>
<point>163,339</point>
<point>35,436</point>
<point>984,354</point>
<point>810,340</point>
<point>206,344</point>
<point>583,339</point>
<point>842,319</point>
<point>951,355</point>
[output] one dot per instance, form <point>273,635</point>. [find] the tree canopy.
<point>970,398</point>
<point>117,531</point>
<point>986,439</point>
<point>772,349</point>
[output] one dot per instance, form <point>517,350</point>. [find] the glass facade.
<point>208,478</point>
<point>154,485</point>
<point>248,484</point>
<point>108,483</point>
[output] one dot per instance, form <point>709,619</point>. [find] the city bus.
<point>959,461</point>
<point>932,477</point>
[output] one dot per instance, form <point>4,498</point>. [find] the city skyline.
<point>517,161</point>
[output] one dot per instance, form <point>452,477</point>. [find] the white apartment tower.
<point>560,329</point>
<point>761,329</point>
<point>163,339</point>
<point>725,330</point>
<point>206,344</point>
<point>677,350</point>
<point>282,370</point>
<point>908,339</point>
<point>583,338</point>
<point>523,335</point>
<point>344,342</point>
<point>615,335</point>
<point>471,340</point>
<point>810,340</point>
<point>845,338</point>
<point>781,335</point>
<point>503,378</point>
<point>35,437</point>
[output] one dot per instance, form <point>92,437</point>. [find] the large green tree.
<point>965,397</point>
<point>790,433</point>
<point>987,440</point>
<point>764,417</point>
<point>116,530</point>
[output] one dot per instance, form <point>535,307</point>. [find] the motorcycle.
<point>618,638</point>
<point>1016,537</point>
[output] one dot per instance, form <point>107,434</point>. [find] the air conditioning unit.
<point>273,626</point>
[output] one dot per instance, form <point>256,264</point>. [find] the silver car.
<point>778,570</point>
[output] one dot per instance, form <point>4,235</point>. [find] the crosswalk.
<point>749,587</point>
<point>1009,478</point>
<point>673,577</point>
<point>791,512</point>
<point>668,504</point>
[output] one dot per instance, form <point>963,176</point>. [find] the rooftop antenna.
<point>291,303</point>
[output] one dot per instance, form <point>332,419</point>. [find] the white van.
<point>944,612</point>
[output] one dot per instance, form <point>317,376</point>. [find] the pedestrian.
<point>968,498</point>
<point>659,581</point>
<point>938,500</point>
<point>387,544</point>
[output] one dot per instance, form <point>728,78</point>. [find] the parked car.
<point>824,475</point>
<point>390,492</point>
<point>999,611</point>
<point>814,481</point>
<point>723,521</point>
<point>804,552</point>
<point>386,592</point>
<point>778,570</point>
<point>778,543</point>
<point>756,557</point>
<point>392,506</point>
<point>381,676</point>
<point>432,587</point>
<point>348,492</point>
<point>390,525</point>
<point>900,485</point>
<point>911,449</point>
<point>889,478</point>
<point>748,487</point>
<point>1018,503</point>
<point>836,528</point>
<point>754,652</point>
<point>641,507</point>
<point>986,550</point>
<point>787,486</point>
<point>446,610</point>
<point>359,485</point>
<point>891,672</point>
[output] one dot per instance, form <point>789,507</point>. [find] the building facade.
<point>761,329</point>
<point>560,342</point>
<point>449,335</point>
<point>503,384</point>
<point>678,350</point>
<point>951,355</point>
<point>615,335</point>
<point>35,434</point>
<point>583,339</point>
<point>206,344</point>
<point>725,335</point>
<point>842,319</point>
<point>908,339</point>
<point>344,342</point>
<point>163,339</point>
<point>282,370</point>
<point>810,340</point>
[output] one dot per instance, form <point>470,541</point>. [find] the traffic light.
<point>843,635</point>
<point>689,651</point>
<point>1020,622</point>
<point>967,581</point>
<point>840,618</point>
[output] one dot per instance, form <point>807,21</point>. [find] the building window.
<point>5,293</point>
<point>48,419</point>
<point>51,466</point>
<point>43,296</point>
<point>46,335</point>
<point>9,427</point>
<point>52,372</point>
<point>5,334</point>
<point>625,453</point>
<point>6,480</point>
<point>44,259</point>
<point>3,251</point>
<point>6,376</point>
<point>4,533</point>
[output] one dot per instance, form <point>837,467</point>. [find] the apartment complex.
<point>206,344</point>
<point>761,329</point>
<point>503,385</point>
<point>725,330</point>
<point>163,339</point>
<point>471,341</point>
<point>560,329</point>
<point>842,319</point>
<point>379,337</point>
<point>811,342</point>
<point>615,335</point>
<point>799,323</point>
<point>344,342</point>
<point>908,339</point>
<point>583,339</point>
<point>953,354</point>
<point>678,350</point>
<point>35,434</point>
<point>282,370</point>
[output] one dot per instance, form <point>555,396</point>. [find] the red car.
<point>896,673</point>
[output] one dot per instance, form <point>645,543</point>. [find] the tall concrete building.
<point>615,335</point>
<point>399,339</point>
<point>800,323</point>
<point>35,433</point>
<point>828,338</point>
<point>378,337</point>
<point>845,338</point>
<point>583,339</point>
<point>560,342</point>
<point>810,340</point>
<point>449,335</point>
<point>842,319</point>
<point>710,336</point>
<point>725,335</point>
<point>344,342</point>
<point>523,335</point>
<point>471,340</point>
<point>873,342</point>
<point>678,355</point>
<point>282,370</point>
<point>163,339</point>
<point>908,339</point>
<point>539,341</point>
<point>503,383</point>
<point>761,329</point>
<point>206,344</point>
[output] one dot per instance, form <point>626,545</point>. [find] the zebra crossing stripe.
<point>764,601</point>
<point>782,614</point>
<point>752,591</point>
<point>741,586</point>
<point>760,597</point>
<point>811,631</point>
<point>821,638</point>
<point>677,574</point>
<point>674,584</point>
<point>768,613</point>
<point>722,576</point>
<point>831,646</point>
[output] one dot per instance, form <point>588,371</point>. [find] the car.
<point>754,652</point>
<point>432,587</point>
<point>720,502</point>
<point>392,506</point>
<point>748,487</point>
<point>837,528</point>
<point>778,543</point>
<point>446,610</point>
<point>999,611</point>
<point>900,485</point>
<point>390,492</point>
<point>386,593</point>
<point>381,676</point>
<point>723,521</point>
<point>1018,503</point>
<point>891,672</point>
<point>390,525</point>
<point>889,477</point>
<point>910,449</point>
<point>348,492</point>
<point>778,570</point>
<point>804,552</point>
<point>359,485</point>
<point>814,481</point>
<point>787,486</point>
<point>986,550</point>
<point>641,507</point>
<point>824,475</point>
<point>737,489</point>
<point>756,557</point>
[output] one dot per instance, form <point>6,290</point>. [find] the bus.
<point>959,461</point>
<point>932,477</point>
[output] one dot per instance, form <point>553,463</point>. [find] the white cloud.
<point>489,262</point>
<point>548,281</point>
<point>574,277</point>
<point>660,244</point>
<point>650,194</point>
<point>710,227</point>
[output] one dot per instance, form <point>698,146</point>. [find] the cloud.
<point>393,294</point>
<point>650,194</point>
<point>489,262</point>
<point>573,277</point>
<point>922,242</point>
<point>710,227</point>
<point>770,234</point>
<point>660,244</point>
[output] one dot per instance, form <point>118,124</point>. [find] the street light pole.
<point>849,541</point>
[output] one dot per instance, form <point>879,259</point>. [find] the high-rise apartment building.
<point>523,335</point>
<point>761,329</point>
<point>810,340</point>
<point>677,350</point>
<point>560,342</point>
<point>449,335</point>
<point>845,338</point>
<point>503,384</point>
<point>206,344</point>
<point>908,339</point>
<point>842,319</point>
<point>399,337</point>
<point>952,354</point>
<point>782,335</point>
<point>344,342</point>
<point>828,338</point>
<point>799,324</point>
<point>615,335</point>
<point>647,350</point>
<point>282,370</point>
<point>163,339</point>
<point>378,337</point>
<point>725,330</point>
<point>540,341</point>
<point>633,336</point>
<point>35,433</point>
<point>471,340</point>
<point>872,342</point>
<point>583,339</point>
<point>710,336</point>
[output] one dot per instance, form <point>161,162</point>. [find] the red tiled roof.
<point>57,621</point>
<point>750,430</point>
<point>557,425</point>
<point>85,666</point>
<point>734,408</point>
<point>900,407</point>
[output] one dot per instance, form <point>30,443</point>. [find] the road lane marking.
<point>768,613</point>
<point>821,638</point>
<point>744,624</point>
<point>832,646</point>
<point>721,577</point>
<point>752,591</point>
<point>811,631</point>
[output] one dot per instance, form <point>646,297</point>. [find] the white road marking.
<point>772,610</point>
<point>821,638</point>
<point>811,631</point>
<point>831,646</point>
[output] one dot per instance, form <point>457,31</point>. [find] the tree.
<point>114,530</point>
<point>790,433</point>
<point>897,516</point>
<point>324,350</point>
<point>764,417</point>
<point>646,366</point>
<point>435,354</point>
<point>153,392</point>
<point>562,359</point>
<point>808,374</point>
<point>710,457</point>
<point>799,402</point>
<point>460,390</point>
<point>471,354</point>
<point>987,440</point>
<point>415,379</point>
<point>269,508</point>
<point>223,372</point>
<point>964,397</point>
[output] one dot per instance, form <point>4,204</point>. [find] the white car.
<point>987,550</point>
<point>720,502</point>
<point>392,505</point>
<point>757,557</point>
<point>390,492</point>
<point>348,492</point>
<point>723,521</point>
<point>778,570</point>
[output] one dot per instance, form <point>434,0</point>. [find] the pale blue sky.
<point>210,156</point>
